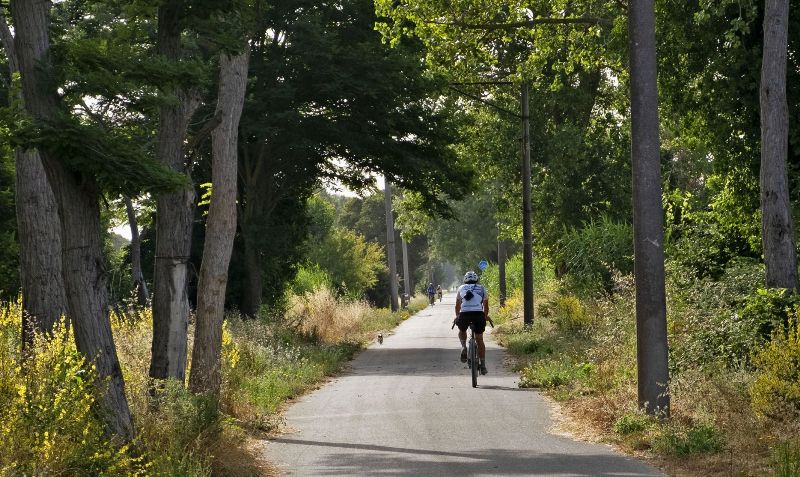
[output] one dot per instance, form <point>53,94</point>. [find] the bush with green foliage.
<point>706,233</point>
<point>632,422</point>
<point>702,438</point>
<point>555,372</point>
<point>567,313</point>
<point>724,320</point>
<point>776,389</point>
<point>352,263</point>
<point>309,277</point>
<point>587,256</point>
<point>542,275</point>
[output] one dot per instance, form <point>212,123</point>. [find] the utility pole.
<point>648,226</point>
<point>501,269</point>
<point>387,196</point>
<point>406,275</point>
<point>527,247</point>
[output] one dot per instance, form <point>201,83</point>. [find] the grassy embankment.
<point>48,414</point>
<point>735,388</point>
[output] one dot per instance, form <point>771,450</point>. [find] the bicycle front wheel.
<point>473,358</point>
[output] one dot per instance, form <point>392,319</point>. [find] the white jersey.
<point>478,295</point>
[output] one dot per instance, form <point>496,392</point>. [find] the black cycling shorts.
<point>477,318</point>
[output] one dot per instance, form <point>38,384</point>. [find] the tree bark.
<point>776,217</point>
<point>648,220</point>
<point>43,295</point>
<point>220,225</point>
<point>174,216</point>
<point>140,286</point>
<point>77,197</point>
<point>38,230</point>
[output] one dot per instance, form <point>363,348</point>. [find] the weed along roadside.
<point>735,390</point>
<point>266,362</point>
<point>271,361</point>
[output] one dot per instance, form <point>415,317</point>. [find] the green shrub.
<point>589,254</point>
<point>567,313</point>
<point>767,308</point>
<point>677,440</point>
<point>776,389</point>
<point>718,321</point>
<point>178,436</point>
<point>632,422</point>
<point>786,459</point>
<point>309,278</point>
<point>525,340</point>
<point>553,373</point>
<point>727,226</point>
<point>543,276</point>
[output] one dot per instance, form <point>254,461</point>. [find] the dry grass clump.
<point>319,314</point>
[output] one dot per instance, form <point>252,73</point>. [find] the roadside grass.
<point>588,364</point>
<point>266,362</point>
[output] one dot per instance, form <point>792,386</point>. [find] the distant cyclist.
<point>431,293</point>
<point>439,292</point>
<point>472,307</point>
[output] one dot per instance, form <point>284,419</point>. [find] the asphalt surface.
<point>407,408</point>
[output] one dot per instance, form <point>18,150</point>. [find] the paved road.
<point>406,408</point>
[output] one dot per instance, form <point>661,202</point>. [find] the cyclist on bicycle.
<point>472,307</point>
<point>430,291</point>
<point>439,292</point>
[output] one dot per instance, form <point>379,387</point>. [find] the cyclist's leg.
<point>480,327</point>
<point>462,336</point>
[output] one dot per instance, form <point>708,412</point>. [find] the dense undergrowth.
<point>48,414</point>
<point>734,367</point>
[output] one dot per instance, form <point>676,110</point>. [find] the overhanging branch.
<point>201,135</point>
<point>528,23</point>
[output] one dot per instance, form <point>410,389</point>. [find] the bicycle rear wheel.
<point>473,358</point>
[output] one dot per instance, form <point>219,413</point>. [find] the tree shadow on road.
<point>399,461</point>
<point>505,388</point>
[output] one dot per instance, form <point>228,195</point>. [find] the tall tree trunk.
<point>140,286</point>
<point>77,196</point>
<point>648,214</point>
<point>220,225</point>
<point>174,217</point>
<point>38,232</point>
<point>253,285</point>
<point>776,217</point>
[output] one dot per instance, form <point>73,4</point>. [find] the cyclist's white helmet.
<point>470,277</point>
